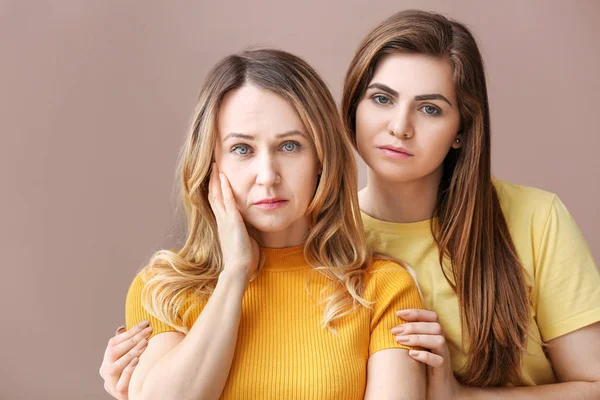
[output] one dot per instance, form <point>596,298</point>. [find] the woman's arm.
<point>392,374</point>
<point>195,366</point>
<point>575,358</point>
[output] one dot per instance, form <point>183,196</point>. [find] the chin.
<point>396,174</point>
<point>270,225</point>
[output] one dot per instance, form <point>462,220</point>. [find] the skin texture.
<point>392,113</point>
<point>274,158</point>
<point>426,128</point>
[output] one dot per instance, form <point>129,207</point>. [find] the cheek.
<point>369,123</point>
<point>302,180</point>
<point>437,144</point>
<point>363,127</point>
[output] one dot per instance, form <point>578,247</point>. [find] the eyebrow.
<point>383,87</point>
<point>392,92</point>
<point>432,97</point>
<point>278,136</point>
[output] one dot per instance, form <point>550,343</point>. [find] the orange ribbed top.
<point>282,352</point>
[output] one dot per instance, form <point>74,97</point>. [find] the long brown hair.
<point>470,231</point>
<point>335,244</point>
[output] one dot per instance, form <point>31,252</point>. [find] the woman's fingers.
<point>428,328</point>
<point>422,329</point>
<point>116,368</point>
<point>435,343</point>
<point>215,196</point>
<point>433,360</point>
<point>119,350</point>
<point>127,335</point>
<point>122,387</point>
<point>228,198</point>
<point>416,314</point>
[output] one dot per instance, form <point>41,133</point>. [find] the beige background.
<point>95,97</point>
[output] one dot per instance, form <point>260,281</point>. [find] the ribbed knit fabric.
<point>282,352</point>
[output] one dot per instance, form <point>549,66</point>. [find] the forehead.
<point>255,111</point>
<point>415,74</point>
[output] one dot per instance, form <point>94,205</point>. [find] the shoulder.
<point>134,303</point>
<point>167,308</point>
<point>526,209</point>
<point>523,199</point>
<point>137,284</point>
<point>388,276</point>
<point>390,287</point>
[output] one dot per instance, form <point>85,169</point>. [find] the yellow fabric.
<point>282,352</point>
<point>563,278</point>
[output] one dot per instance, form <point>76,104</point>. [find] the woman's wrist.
<point>234,277</point>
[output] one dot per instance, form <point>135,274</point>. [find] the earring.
<point>457,140</point>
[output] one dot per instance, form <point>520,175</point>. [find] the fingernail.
<point>413,353</point>
<point>402,339</point>
<point>144,323</point>
<point>403,313</point>
<point>397,330</point>
<point>120,329</point>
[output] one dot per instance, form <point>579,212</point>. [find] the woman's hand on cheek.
<point>422,329</point>
<point>240,251</point>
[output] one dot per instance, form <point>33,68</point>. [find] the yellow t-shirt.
<point>562,276</point>
<point>282,352</point>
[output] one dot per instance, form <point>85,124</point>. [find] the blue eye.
<point>290,146</point>
<point>431,110</point>
<point>241,149</point>
<point>380,99</point>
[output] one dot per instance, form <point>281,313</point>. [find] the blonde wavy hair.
<point>335,243</point>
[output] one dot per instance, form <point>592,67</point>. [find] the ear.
<point>457,142</point>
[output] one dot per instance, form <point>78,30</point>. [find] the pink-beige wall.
<point>95,97</point>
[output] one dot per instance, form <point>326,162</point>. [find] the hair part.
<point>471,231</point>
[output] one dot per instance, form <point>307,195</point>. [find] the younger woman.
<point>506,272</point>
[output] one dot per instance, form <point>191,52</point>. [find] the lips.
<point>394,152</point>
<point>395,149</point>
<point>271,203</point>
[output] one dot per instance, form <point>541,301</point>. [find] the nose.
<point>401,125</point>
<point>268,171</point>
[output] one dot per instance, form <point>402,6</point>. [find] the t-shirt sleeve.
<point>392,288</point>
<point>136,313</point>
<point>566,293</point>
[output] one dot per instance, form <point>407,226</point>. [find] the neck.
<point>401,202</point>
